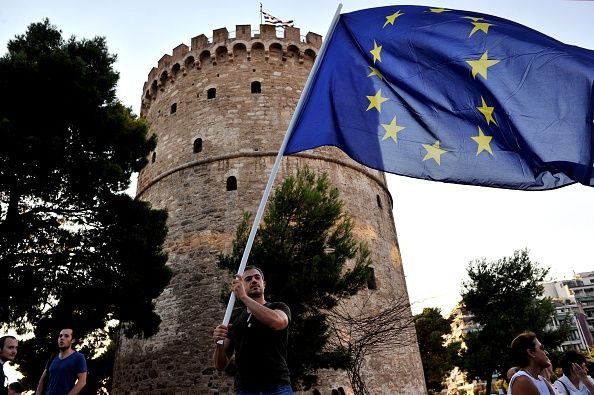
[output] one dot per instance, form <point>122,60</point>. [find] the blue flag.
<point>453,96</point>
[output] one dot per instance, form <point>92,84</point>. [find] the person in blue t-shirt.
<point>67,371</point>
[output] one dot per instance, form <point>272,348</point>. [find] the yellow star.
<point>472,18</point>
<point>376,52</point>
<point>391,18</point>
<point>438,10</point>
<point>487,112</point>
<point>434,152</point>
<point>481,65</point>
<point>375,72</point>
<point>483,141</point>
<point>376,101</point>
<point>484,26</point>
<point>392,130</point>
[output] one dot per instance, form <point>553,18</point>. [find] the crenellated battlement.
<point>263,45</point>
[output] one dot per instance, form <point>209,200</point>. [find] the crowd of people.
<point>258,338</point>
<point>65,373</point>
<point>532,376</point>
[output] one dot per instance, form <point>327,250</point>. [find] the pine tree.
<point>73,246</point>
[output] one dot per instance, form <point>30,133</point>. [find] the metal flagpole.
<point>304,95</point>
<point>260,13</point>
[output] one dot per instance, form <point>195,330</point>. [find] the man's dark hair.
<point>3,340</point>
<point>16,387</point>
<point>252,267</point>
<point>570,357</point>
<point>524,341</point>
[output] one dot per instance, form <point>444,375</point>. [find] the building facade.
<point>582,287</point>
<point>569,309</point>
<point>220,109</point>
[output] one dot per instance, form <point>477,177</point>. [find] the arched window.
<point>173,108</point>
<point>189,62</point>
<point>154,157</point>
<point>221,54</point>
<point>197,145</point>
<point>164,77</point>
<point>211,93</point>
<point>341,391</point>
<point>316,392</point>
<point>231,183</point>
<point>175,69</point>
<point>256,87</point>
<point>257,50</point>
<point>371,281</point>
<point>275,51</point>
<point>154,88</point>
<point>239,51</point>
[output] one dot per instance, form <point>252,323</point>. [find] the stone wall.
<point>237,133</point>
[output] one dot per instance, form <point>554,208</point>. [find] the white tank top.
<point>541,385</point>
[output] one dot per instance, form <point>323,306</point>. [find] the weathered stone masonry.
<point>220,109</point>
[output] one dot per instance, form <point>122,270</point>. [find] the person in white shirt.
<point>532,359</point>
<point>575,379</point>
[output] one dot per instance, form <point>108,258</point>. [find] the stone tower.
<point>220,109</point>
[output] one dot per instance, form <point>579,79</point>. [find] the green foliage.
<point>437,358</point>
<point>505,298</point>
<point>73,247</point>
<point>302,246</point>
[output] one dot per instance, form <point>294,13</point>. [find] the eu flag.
<point>453,96</point>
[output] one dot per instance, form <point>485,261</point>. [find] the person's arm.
<point>275,319</point>
<point>523,385</point>
<point>39,390</point>
<point>222,353</point>
<point>80,383</point>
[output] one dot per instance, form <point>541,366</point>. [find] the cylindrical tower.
<point>220,110</point>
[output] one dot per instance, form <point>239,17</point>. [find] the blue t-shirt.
<point>64,372</point>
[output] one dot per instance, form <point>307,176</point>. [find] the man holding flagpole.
<point>258,336</point>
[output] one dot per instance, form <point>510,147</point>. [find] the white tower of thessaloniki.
<point>220,109</point>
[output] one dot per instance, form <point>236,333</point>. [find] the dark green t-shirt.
<point>260,352</point>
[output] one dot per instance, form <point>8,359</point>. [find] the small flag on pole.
<point>272,20</point>
<point>452,96</point>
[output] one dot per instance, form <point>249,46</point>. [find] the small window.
<point>256,87</point>
<point>371,281</point>
<point>173,108</point>
<point>379,201</point>
<point>197,145</point>
<point>341,391</point>
<point>211,93</point>
<point>232,183</point>
<point>316,392</point>
<point>335,392</point>
<point>154,157</point>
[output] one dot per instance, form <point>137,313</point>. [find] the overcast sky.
<point>441,227</point>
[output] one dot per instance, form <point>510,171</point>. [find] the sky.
<point>441,227</point>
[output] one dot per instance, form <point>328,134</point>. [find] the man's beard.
<point>254,292</point>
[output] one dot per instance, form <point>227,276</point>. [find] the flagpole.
<point>275,167</point>
<point>260,13</point>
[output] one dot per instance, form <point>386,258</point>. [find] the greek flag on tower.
<point>453,96</point>
<point>272,20</point>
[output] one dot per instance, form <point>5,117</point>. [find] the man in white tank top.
<point>532,359</point>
